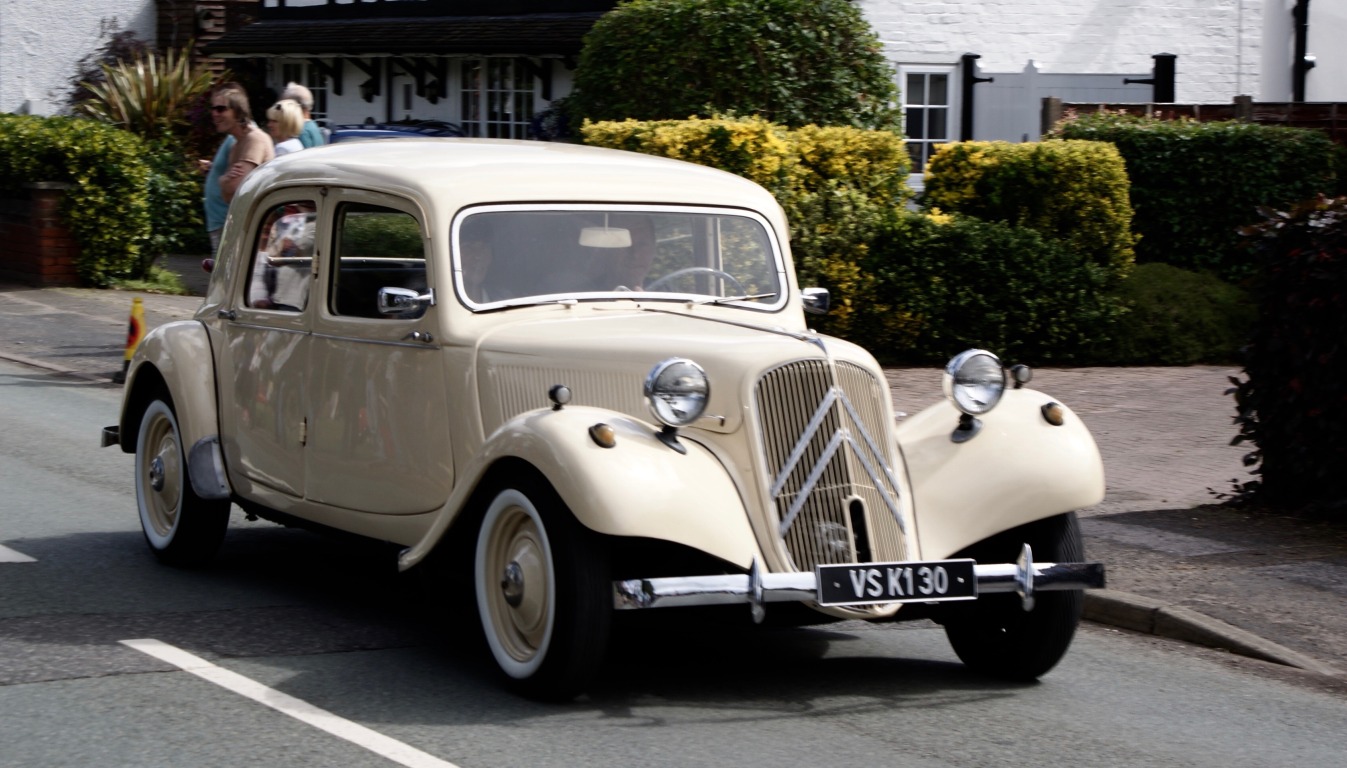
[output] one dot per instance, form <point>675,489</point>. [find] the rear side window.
<point>282,267</point>
<point>376,247</point>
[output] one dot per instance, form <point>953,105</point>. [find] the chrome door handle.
<point>419,336</point>
<point>227,314</point>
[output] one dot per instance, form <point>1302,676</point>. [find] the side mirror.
<point>816,300</point>
<point>396,301</point>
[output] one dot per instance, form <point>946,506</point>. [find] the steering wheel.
<point>724,276</point>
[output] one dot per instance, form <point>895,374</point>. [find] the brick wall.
<point>38,249</point>
<point>200,22</point>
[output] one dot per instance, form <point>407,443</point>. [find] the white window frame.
<point>950,106</point>
<point>304,73</point>
<point>502,101</point>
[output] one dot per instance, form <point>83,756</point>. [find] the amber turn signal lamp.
<point>1054,413</point>
<point>603,435</point>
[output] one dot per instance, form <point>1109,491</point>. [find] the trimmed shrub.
<point>1194,184</point>
<point>1177,317</point>
<point>793,62</point>
<point>1075,191</point>
<point>750,147</point>
<point>108,207</point>
<point>1292,404</point>
<point>948,283</point>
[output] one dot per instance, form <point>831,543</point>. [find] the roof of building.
<point>557,34</point>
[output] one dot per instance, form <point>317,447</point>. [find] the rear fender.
<point>640,487</point>
<point>1017,469</point>
<point>176,357</point>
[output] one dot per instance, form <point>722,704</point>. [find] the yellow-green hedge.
<point>1075,191</point>
<point>749,147</point>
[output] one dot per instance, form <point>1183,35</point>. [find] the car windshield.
<point>512,255</point>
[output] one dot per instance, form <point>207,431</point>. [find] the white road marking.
<point>286,704</point>
<point>8,555</point>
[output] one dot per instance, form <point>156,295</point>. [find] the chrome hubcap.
<point>157,473</point>
<point>512,584</point>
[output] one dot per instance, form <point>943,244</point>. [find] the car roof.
<point>455,173</point>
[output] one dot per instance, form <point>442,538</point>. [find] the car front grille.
<point>828,452</point>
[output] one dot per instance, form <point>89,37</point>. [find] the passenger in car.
<point>631,264</point>
<point>475,260</point>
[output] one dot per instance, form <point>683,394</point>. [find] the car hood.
<point>604,356</point>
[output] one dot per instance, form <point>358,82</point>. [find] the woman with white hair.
<point>285,120</point>
<point>312,135</point>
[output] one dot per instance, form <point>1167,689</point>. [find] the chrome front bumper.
<point>1023,577</point>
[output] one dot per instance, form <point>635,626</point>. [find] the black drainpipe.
<point>1161,80</point>
<point>1303,62</point>
<point>969,79</point>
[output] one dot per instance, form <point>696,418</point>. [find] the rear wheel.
<point>181,528</point>
<point>995,635</point>
<point>543,592</point>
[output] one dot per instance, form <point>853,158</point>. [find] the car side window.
<point>282,265</point>
<point>376,247</point>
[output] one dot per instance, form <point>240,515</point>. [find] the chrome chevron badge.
<point>865,449</point>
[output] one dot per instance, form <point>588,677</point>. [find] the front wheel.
<point>181,528</point>
<point>544,594</point>
<point>994,635</point>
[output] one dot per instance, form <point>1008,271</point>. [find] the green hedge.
<point>947,283</point>
<point>108,207</point>
<point>794,62</point>
<point>1177,317</point>
<point>1194,184</point>
<point>1291,403</point>
<point>1076,191</point>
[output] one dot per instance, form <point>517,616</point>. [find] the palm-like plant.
<point>149,94</point>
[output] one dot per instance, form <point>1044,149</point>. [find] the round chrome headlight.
<point>677,390</point>
<point>974,381</point>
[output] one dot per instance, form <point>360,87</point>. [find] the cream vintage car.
<point>581,381</point>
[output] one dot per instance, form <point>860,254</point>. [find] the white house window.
<point>497,98</point>
<point>309,76</point>
<point>928,106</point>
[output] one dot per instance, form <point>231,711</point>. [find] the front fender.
<point>640,487</point>
<point>1019,468</point>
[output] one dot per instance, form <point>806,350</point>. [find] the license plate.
<point>910,582</point>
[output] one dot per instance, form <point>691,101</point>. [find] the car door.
<point>264,394</point>
<point>378,441</point>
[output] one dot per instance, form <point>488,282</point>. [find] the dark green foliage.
<point>108,206</point>
<point>1292,403</point>
<point>1194,184</point>
<point>175,192</point>
<point>1177,317</point>
<point>793,62</point>
<point>1072,191</point>
<point>380,234</point>
<point>950,283</point>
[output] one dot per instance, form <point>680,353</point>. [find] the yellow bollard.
<point>135,331</point>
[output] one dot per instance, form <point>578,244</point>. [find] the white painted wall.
<point>1218,42</point>
<point>42,41</point>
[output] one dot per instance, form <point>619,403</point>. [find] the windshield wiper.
<point>746,297</point>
